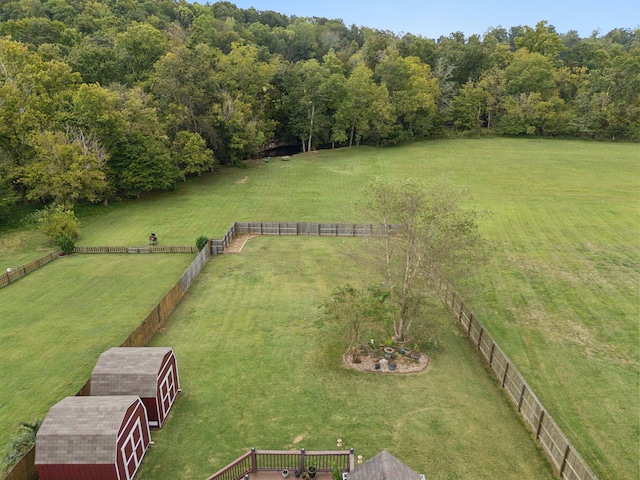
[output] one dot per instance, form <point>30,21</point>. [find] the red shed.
<point>150,372</point>
<point>93,438</point>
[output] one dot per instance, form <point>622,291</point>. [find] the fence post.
<point>480,336</point>
<point>461,311</point>
<point>302,459</point>
<point>564,459</point>
<point>254,460</point>
<point>352,463</point>
<point>504,375</point>
<point>539,424</point>
<point>524,387</point>
<point>493,347</point>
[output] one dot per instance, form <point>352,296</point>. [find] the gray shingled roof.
<point>82,430</point>
<point>128,371</point>
<point>383,466</point>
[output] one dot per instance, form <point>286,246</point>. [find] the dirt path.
<point>238,243</point>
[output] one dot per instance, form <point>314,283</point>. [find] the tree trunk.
<point>313,114</point>
<point>353,129</point>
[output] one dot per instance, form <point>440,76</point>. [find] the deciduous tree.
<point>424,234</point>
<point>191,154</point>
<point>68,166</point>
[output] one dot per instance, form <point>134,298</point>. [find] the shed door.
<point>133,449</point>
<point>167,391</point>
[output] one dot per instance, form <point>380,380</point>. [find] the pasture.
<point>560,293</point>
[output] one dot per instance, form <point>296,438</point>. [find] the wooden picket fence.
<point>138,249</point>
<point>11,276</point>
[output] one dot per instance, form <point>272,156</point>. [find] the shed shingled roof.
<point>128,370</point>
<point>82,430</point>
<point>383,466</point>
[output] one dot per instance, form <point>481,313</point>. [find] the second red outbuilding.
<point>150,372</point>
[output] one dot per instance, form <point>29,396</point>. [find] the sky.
<point>432,19</point>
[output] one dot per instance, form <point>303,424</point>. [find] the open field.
<point>260,367</point>
<point>560,294</point>
<point>55,322</point>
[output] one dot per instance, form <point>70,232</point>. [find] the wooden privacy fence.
<point>13,275</point>
<point>308,228</point>
<point>292,460</point>
<point>297,228</point>
<point>564,457</point>
<point>25,469</point>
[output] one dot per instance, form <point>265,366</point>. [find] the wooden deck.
<point>268,464</point>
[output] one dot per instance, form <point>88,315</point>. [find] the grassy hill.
<point>560,293</point>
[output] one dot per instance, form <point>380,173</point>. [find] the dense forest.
<point>105,98</point>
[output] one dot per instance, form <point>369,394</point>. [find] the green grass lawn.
<point>560,293</point>
<point>55,322</point>
<point>260,367</point>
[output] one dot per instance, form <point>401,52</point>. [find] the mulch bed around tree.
<point>404,364</point>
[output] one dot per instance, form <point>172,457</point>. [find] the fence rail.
<point>297,229</point>
<point>15,274</point>
<point>137,249</point>
<point>307,228</point>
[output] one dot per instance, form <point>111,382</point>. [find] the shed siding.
<point>77,472</point>
<point>133,437</point>
<point>168,385</point>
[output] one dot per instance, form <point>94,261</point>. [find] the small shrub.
<point>336,473</point>
<point>66,243</point>
<point>20,443</point>
<point>56,221</point>
<point>202,241</point>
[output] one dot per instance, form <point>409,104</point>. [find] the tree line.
<point>104,98</point>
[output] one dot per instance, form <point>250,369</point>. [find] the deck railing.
<point>292,460</point>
